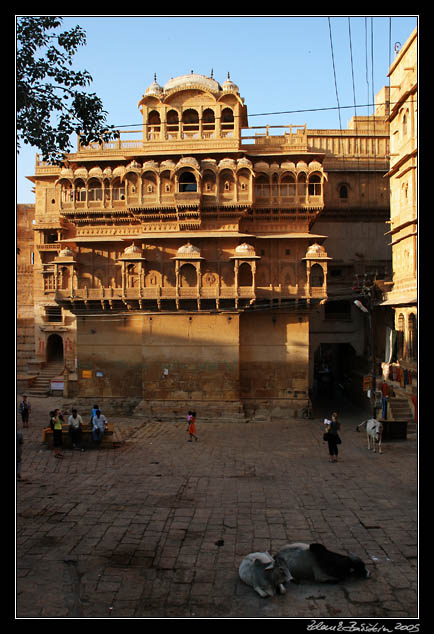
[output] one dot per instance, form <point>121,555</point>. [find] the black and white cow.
<point>374,432</point>
<point>315,562</point>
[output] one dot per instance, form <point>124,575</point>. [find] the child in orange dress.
<point>192,426</point>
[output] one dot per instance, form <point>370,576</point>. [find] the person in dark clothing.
<point>333,438</point>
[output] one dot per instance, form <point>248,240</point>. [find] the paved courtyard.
<point>158,527</point>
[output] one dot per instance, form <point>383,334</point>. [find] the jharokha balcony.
<point>159,297</point>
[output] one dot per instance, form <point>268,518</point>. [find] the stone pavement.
<point>158,527</point>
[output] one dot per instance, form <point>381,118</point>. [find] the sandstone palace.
<point>205,262</point>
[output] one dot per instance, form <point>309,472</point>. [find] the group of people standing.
<point>98,423</point>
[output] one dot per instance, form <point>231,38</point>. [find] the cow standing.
<point>374,432</point>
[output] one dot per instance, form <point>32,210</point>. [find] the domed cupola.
<point>229,85</point>
<point>316,252</point>
<point>154,89</point>
<point>188,252</point>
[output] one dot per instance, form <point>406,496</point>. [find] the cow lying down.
<point>296,562</point>
<point>315,562</point>
<point>374,432</point>
<point>264,573</point>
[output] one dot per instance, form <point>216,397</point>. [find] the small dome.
<point>244,162</point>
<point>154,88</point>
<point>188,249</point>
<point>66,253</point>
<point>183,81</point>
<point>229,85</point>
<point>316,251</point>
<point>245,249</point>
<point>132,250</point>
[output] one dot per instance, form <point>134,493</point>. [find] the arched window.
<point>190,120</point>
<point>227,120</point>
<point>94,190</point>
<point>262,186</point>
<point>80,190</point>
<point>412,337</point>
<point>187,182</point>
<point>245,277</point>
<point>343,192</point>
<point>188,275</point>
<point>314,185</point>
<point>67,195</point>
<point>154,122</point>
<point>316,276</point>
<point>287,186</point>
<point>208,119</point>
<point>301,186</point>
<point>154,118</point>
<point>400,336</point>
<point>172,121</point>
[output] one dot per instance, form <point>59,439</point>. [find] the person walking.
<point>99,424</point>
<point>333,438</point>
<point>192,426</point>
<point>75,423</point>
<point>56,421</point>
<point>25,410</point>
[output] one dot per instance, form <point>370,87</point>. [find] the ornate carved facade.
<point>185,264</point>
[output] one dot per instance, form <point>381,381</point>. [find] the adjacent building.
<point>400,367</point>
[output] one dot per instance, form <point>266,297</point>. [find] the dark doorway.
<point>54,348</point>
<point>334,365</point>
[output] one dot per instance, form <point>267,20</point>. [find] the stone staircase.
<point>41,385</point>
<point>400,409</point>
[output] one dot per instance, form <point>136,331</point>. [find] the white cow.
<point>374,431</point>
<point>264,573</point>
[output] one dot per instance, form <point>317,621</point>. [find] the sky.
<point>315,70</point>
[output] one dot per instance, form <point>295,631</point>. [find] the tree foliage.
<point>50,105</point>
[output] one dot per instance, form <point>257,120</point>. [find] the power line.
<point>334,72</point>
<point>264,114</point>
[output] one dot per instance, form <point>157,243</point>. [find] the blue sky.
<point>300,65</point>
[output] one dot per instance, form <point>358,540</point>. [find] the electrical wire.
<point>268,114</point>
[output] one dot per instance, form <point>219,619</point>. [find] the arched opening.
<point>412,337</point>
<point>154,123</point>
<point>190,120</point>
<point>262,186</point>
<point>287,186</point>
<point>343,192</point>
<point>316,276</point>
<point>245,277</point>
<point>301,186</point>
<point>208,183</point>
<point>400,336</point>
<point>226,183</point>
<point>132,276</point>
<point>227,119</point>
<point>187,182</point>
<point>172,122</point>
<point>208,120</point>
<point>314,185</point>
<point>94,190</point>
<point>54,348</point>
<point>188,275</point>
<point>64,277</point>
